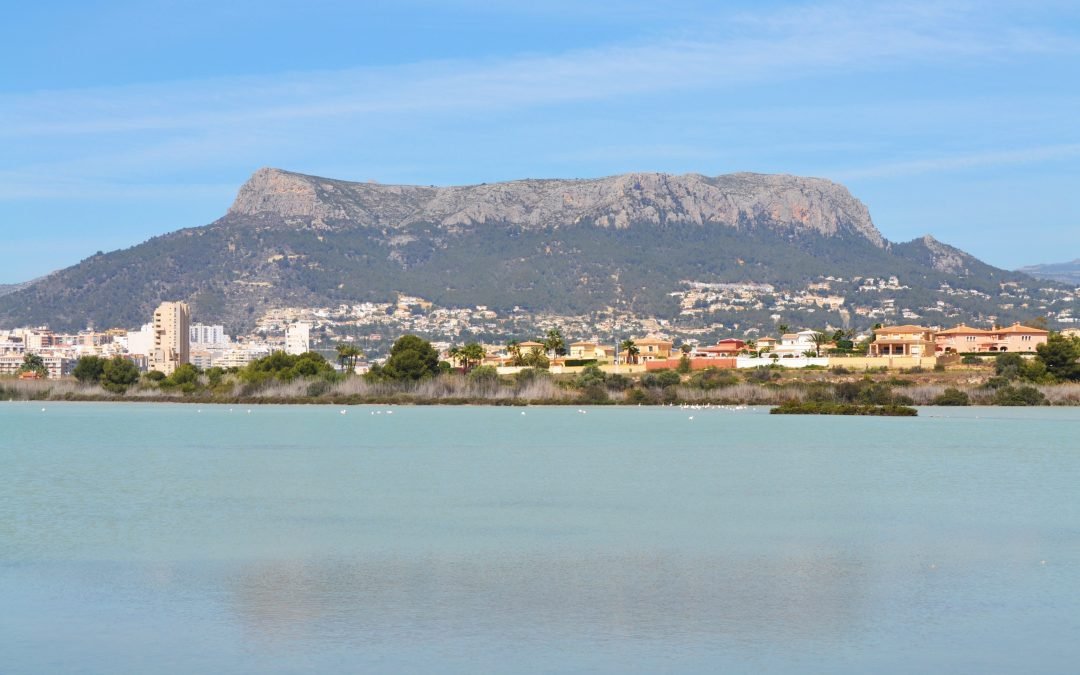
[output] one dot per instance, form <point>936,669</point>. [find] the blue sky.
<point>123,120</point>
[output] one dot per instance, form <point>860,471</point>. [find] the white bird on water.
<point>344,411</point>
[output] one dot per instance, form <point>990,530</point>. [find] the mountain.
<point>1068,272</point>
<point>627,242</point>
<point>6,289</point>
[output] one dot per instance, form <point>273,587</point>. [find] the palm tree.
<point>536,358</point>
<point>555,343</point>
<point>348,355</point>
<point>818,339</point>
<point>782,327</point>
<point>473,354</point>
<point>515,353</point>
<point>33,363</point>
<point>455,354</point>
<point>630,350</point>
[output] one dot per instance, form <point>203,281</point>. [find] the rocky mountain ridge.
<point>1067,272</point>
<point>624,244</point>
<point>792,202</point>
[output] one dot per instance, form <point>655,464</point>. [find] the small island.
<point>830,408</point>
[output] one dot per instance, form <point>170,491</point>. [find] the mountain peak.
<point>794,203</point>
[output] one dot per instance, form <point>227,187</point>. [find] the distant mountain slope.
<point>7,289</point>
<point>1068,272</point>
<point>565,246</point>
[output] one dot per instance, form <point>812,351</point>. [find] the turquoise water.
<point>178,538</point>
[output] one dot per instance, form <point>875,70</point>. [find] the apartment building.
<point>172,337</point>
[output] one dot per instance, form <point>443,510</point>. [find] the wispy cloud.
<point>72,142</point>
<point>786,45</point>
<point>1046,153</point>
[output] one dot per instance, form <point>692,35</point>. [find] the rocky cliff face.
<point>805,205</point>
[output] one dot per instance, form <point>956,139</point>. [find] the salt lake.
<point>199,538</point>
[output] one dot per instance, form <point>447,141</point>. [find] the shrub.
<point>952,396</point>
<point>970,360</point>
<point>661,379</point>
<point>684,364</point>
<point>618,382</point>
<point>848,392</point>
<point>1023,395</point>
<point>761,374</point>
<point>484,374</point>
<point>594,393</point>
<point>589,376</point>
<point>711,378</point>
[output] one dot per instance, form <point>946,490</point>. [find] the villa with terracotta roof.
<point>765,344</point>
<point>724,348</point>
<point>653,349</point>
<point>589,350</point>
<point>902,341</point>
<point>1015,338</point>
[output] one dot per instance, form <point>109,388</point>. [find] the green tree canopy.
<point>411,358</point>
<point>88,369</point>
<point>118,374</point>
<point>282,366</point>
<point>1060,355</point>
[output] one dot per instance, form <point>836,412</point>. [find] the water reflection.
<point>669,598</point>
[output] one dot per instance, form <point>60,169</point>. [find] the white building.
<point>141,341</point>
<point>297,338</point>
<point>208,336</point>
<point>796,344</point>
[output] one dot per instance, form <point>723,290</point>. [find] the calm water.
<point>173,538</point>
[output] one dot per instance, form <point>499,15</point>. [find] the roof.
<point>583,344</point>
<point>963,330</point>
<point>902,329</point>
<point>530,343</point>
<point>719,348</point>
<point>652,341</point>
<point>1017,328</point>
